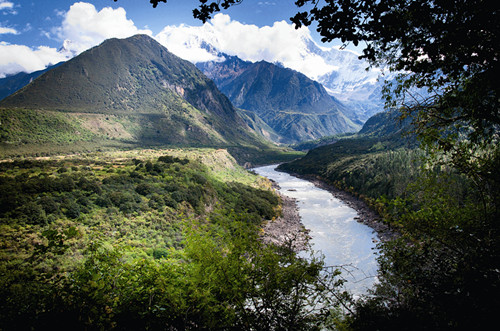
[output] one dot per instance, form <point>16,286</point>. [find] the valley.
<point>128,203</point>
<point>126,197</point>
<point>335,229</point>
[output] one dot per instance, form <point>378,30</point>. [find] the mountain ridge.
<point>13,83</point>
<point>296,107</point>
<point>340,71</point>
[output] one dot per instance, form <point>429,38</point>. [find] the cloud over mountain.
<point>280,42</point>
<point>86,27</point>
<point>83,26</point>
<point>17,58</point>
<point>339,71</point>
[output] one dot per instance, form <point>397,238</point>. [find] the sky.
<point>38,33</point>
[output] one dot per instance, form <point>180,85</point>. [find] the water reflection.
<point>335,232</point>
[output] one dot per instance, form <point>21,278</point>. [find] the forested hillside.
<point>147,239</point>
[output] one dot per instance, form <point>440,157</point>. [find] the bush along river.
<point>333,229</point>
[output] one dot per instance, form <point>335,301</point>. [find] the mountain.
<point>128,92</point>
<point>295,107</point>
<point>340,71</point>
<point>349,80</point>
<point>383,128</point>
<point>387,124</point>
<point>11,84</point>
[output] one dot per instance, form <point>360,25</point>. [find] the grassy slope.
<point>29,133</point>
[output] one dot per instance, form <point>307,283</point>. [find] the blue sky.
<point>33,32</point>
<point>33,20</point>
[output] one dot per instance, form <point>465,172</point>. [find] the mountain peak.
<point>138,83</point>
<point>135,74</point>
<point>294,106</point>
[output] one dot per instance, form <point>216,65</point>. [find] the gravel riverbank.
<point>288,228</point>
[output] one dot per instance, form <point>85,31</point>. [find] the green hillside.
<point>123,93</point>
<point>146,239</point>
<point>379,160</point>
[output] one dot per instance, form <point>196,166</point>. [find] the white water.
<point>334,231</point>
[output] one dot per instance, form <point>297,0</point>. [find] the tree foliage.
<point>442,271</point>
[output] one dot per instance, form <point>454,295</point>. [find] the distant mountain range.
<point>281,104</point>
<point>295,107</point>
<point>131,91</point>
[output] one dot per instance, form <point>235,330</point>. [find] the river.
<point>334,231</point>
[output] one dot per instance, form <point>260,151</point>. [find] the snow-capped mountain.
<point>342,74</point>
<point>351,81</point>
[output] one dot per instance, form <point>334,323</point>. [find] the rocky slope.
<point>294,106</point>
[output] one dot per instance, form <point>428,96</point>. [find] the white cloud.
<point>280,42</point>
<point>84,27</point>
<point>6,5</point>
<point>185,42</point>
<point>7,30</point>
<point>17,58</point>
